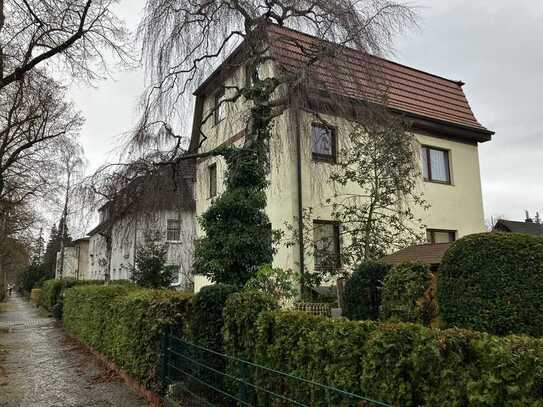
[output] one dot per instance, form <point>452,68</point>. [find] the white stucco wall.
<point>130,234</point>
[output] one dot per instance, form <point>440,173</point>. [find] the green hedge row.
<point>124,323</point>
<point>493,282</point>
<point>398,363</point>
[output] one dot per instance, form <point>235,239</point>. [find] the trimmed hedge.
<point>493,282</point>
<point>52,293</point>
<point>399,363</point>
<point>124,323</point>
<point>362,295</point>
<point>240,313</point>
<point>406,295</point>
<point>207,315</point>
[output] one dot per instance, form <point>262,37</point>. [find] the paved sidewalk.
<point>44,368</point>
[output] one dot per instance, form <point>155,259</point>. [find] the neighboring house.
<point>443,122</point>
<point>430,254</point>
<point>528,226</point>
<point>170,221</point>
<point>76,260</point>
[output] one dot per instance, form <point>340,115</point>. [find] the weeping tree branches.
<point>185,40</point>
<point>132,196</point>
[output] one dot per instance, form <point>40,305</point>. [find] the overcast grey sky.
<point>495,46</point>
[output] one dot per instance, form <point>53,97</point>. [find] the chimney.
<point>528,219</point>
<point>537,218</point>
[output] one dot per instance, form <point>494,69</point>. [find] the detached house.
<point>443,122</point>
<point>158,209</point>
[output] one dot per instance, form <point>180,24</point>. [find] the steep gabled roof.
<point>430,254</point>
<point>357,75</point>
<point>531,228</point>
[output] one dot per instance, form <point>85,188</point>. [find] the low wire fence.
<point>193,375</point>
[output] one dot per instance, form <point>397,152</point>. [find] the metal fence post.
<point>244,377</point>
<point>164,354</point>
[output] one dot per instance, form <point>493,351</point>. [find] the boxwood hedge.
<point>402,364</point>
<point>493,282</point>
<point>124,323</point>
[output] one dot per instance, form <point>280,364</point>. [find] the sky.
<point>495,46</point>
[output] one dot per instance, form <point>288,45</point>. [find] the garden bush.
<point>362,295</point>
<point>124,323</point>
<point>402,364</point>
<point>493,282</point>
<point>408,294</point>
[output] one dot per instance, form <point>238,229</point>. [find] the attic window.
<point>219,112</point>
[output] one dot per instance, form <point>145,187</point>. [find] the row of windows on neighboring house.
<point>435,161</point>
<point>327,240</point>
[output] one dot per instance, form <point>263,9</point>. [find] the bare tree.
<point>76,33</point>
<point>33,115</point>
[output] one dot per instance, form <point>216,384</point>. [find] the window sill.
<point>431,181</point>
<point>324,159</point>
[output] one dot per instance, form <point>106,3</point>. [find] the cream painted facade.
<point>457,207</point>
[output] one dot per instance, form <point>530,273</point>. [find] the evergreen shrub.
<point>362,294</point>
<point>493,282</point>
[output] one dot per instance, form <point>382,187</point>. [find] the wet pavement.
<point>41,367</point>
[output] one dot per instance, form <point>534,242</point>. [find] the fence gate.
<point>193,375</point>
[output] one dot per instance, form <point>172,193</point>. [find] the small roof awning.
<point>430,254</point>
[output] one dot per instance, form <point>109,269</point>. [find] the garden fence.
<point>194,375</point>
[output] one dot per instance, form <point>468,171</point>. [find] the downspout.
<point>300,194</point>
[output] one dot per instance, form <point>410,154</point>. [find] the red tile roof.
<point>347,74</point>
<point>430,254</point>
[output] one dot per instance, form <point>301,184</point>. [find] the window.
<point>324,142</point>
<point>219,112</point>
<point>435,165</point>
<point>327,245</point>
<point>176,277</point>
<point>212,180</point>
<point>173,230</point>
<point>440,236</point>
